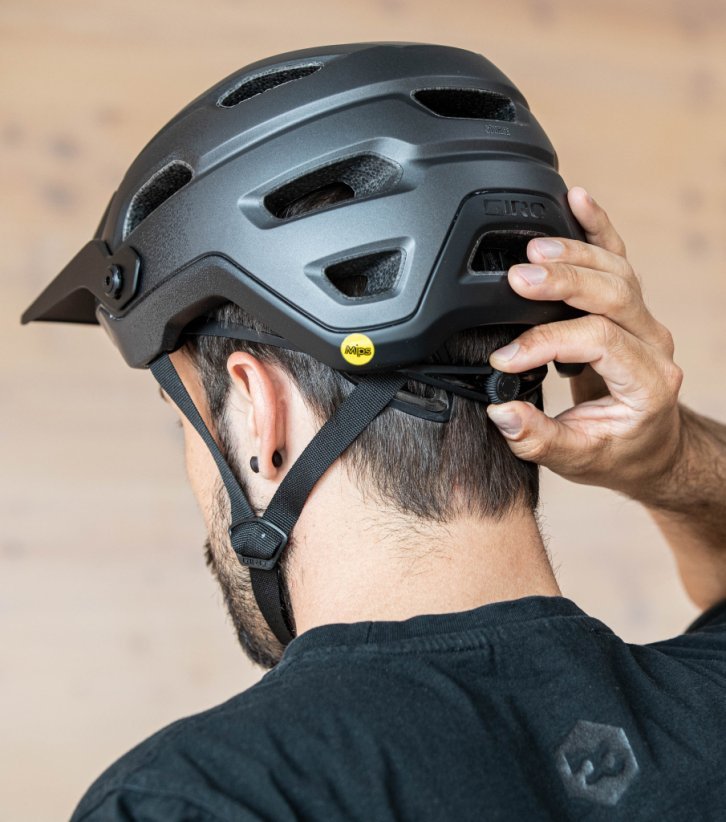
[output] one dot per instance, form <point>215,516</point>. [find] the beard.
<point>255,636</point>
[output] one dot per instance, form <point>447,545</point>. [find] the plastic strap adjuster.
<point>257,542</point>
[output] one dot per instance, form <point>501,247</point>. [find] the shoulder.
<point>704,638</point>
<point>258,755</point>
<point>207,766</point>
<point>713,618</point>
<point>127,803</point>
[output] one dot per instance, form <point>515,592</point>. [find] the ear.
<point>259,392</point>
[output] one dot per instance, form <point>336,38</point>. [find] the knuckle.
<point>566,280</point>
<point>666,340</point>
<point>569,274</point>
<point>636,281</point>
<point>576,249</point>
<point>534,450</point>
<point>620,294</point>
<point>675,378</point>
<point>629,276</point>
<point>591,256</point>
<point>534,337</point>
<point>603,330</point>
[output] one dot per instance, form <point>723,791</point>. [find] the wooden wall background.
<point>110,626</point>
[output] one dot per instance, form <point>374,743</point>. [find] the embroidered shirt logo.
<point>596,762</point>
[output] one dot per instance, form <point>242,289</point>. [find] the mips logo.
<point>357,349</point>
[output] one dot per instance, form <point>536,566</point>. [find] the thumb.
<point>533,436</point>
<point>594,220</point>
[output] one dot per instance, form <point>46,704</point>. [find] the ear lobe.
<point>259,389</point>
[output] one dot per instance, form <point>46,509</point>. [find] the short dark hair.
<point>431,470</point>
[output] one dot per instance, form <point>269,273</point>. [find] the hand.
<point>624,430</point>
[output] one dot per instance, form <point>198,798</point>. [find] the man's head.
<point>410,472</point>
<point>369,189</point>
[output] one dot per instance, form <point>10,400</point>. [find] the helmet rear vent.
<point>260,83</point>
<point>468,103</point>
<point>370,275</point>
<point>499,250</point>
<point>360,176</point>
<point>154,192</point>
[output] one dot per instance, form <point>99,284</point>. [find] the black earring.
<point>276,461</point>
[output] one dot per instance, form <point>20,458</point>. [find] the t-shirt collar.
<point>492,615</point>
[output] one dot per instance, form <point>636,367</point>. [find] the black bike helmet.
<point>449,177</point>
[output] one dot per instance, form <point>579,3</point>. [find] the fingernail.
<point>533,274</point>
<point>508,422</point>
<point>505,354</point>
<point>549,248</point>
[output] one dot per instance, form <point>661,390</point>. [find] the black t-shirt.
<point>521,710</point>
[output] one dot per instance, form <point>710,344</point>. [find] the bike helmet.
<point>449,177</point>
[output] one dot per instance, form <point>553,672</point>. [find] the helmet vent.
<point>253,86</point>
<point>154,192</point>
<point>363,176</point>
<point>467,102</point>
<point>499,250</point>
<point>367,276</point>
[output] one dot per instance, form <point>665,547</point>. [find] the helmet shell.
<point>442,156</point>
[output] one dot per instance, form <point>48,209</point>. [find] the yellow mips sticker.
<point>357,349</point>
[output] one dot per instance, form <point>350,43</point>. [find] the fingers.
<point>593,279</point>
<point>631,384</point>
<point>595,291</point>
<point>550,249</point>
<point>534,436</point>
<point>631,370</point>
<point>595,221</point>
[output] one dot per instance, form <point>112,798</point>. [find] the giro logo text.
<point>515,208</point>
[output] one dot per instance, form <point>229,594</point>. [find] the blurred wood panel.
<point>109,624</point>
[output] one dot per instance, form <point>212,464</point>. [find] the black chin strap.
<point>259,541</point>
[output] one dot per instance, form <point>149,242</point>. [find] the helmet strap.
<point>259,541</point>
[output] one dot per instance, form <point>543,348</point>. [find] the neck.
<point>353,561</point>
